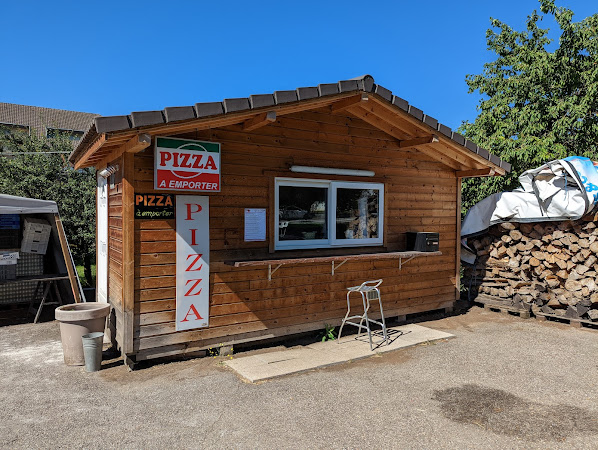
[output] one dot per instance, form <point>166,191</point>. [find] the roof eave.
<point>175,119</point>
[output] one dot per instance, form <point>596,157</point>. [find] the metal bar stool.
<point>369,291</point>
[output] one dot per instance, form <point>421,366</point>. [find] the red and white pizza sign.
<point>185,165</point>
<point>192,262</point>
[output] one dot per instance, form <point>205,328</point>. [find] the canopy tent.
<point>10,204</point>
<point>59,253</point>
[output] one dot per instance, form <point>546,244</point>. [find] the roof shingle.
<point>364,83</point>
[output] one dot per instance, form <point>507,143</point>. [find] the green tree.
<point>37,167</point>
<point>539,99</point>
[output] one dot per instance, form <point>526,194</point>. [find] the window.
<point>10,128</point>
<point>321,213</point>
<point>72,135</point>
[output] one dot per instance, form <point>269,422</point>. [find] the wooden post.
<point>66,254</point>
<point>458,249</point>
<point>128,199</point>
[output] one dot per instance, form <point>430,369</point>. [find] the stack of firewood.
<point>548,267</point>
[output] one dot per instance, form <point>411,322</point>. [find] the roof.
<point>38,118</point>
<point>146,121</point>
<point>10,204</point>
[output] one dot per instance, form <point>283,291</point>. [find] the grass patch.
<point>83,279</point>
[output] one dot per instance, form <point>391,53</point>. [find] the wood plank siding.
<point>115,256</point>
<point>421,194</point>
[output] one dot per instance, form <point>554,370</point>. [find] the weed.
<point>328,334</point>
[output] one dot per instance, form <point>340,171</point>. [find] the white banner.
<point>192,262</point>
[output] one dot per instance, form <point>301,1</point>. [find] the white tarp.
<point>9,204</point>
<point>563,189</point>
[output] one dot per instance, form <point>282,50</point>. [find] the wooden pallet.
<point>577,323</point>
<point>492,304</point>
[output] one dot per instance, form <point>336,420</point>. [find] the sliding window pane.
<point>302,213</point>
<point>357,213</point>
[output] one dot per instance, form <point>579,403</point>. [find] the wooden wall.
<point>421,195</point>
<point>115,258</point>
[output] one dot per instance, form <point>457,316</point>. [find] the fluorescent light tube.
<point>333,171</point>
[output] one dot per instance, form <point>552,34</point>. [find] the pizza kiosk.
<point>246,219</point>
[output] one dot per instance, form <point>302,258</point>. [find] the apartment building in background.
<point>44,121</point>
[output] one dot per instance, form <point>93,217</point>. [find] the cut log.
<point>535,235</point>
<point>564,225</point>
<point>573,285</point>
<point>506,238</point>
<point>573,275</point>
<point>589,283</point>
<point>581,269</point>
<point>552,281</point>
<point>534,262</point>
<point>526,228</point>
<point>515,235</point>
<point>508,226</point>
<point>593,314</point>
<point>563,274</point>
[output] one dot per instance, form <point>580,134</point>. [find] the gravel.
<point>502,382</point>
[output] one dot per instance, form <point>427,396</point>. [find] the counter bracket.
<point>338,265</point>
<point>271,272</point>
<point>336,261</point>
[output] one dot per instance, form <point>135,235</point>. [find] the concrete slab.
<point>322,354</point>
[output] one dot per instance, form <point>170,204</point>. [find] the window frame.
<point>16,127</point>
<point>335,185</point>
<point>331,241</point>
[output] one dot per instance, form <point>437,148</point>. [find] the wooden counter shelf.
<point>403,257</point>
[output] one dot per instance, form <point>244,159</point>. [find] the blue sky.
<point>114,57</point>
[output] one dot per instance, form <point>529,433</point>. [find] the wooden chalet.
<point>309,191</point>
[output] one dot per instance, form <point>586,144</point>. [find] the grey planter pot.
<point>76,320</point>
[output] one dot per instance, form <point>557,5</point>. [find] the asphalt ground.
<point>502,382</point>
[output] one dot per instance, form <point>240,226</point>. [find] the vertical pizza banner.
<point>185,165</point>
<point>192,262</point>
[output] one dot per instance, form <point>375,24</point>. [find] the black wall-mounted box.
<point>422,242</point>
